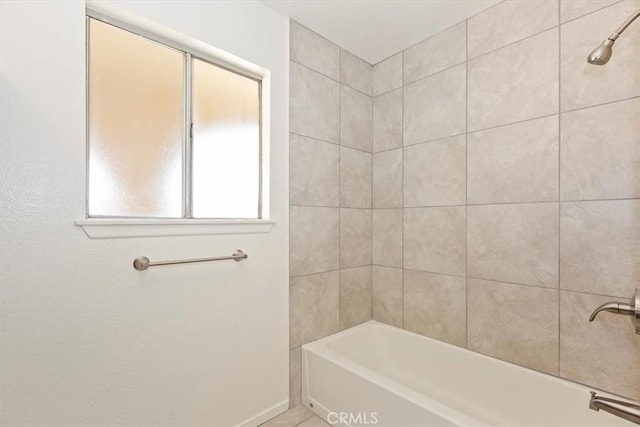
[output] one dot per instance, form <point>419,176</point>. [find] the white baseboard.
<point>266,415</point>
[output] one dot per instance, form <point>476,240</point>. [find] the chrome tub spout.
<point>620,408</point>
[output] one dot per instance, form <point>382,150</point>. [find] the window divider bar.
<point>187,157</point>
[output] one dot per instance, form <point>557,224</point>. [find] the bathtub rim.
<point>321,348</point>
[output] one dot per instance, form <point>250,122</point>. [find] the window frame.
<point>112,226</point>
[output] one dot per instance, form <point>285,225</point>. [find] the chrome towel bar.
<point>142,262</point>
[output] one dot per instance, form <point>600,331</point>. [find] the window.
<point>170,133</point>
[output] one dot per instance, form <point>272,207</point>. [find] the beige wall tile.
<point>601,152</point>
<point>435,306</point>
<point>387,295</point>
<point>600,247</point>
<point>514,163</point>
<point>387,75</point>
<point>435,173</point>
<point>356,72</point>
<point>443,50</point>
<point>510,21</point>
<point>515,243</point>
<point>434,107</point>
<point>295,377</point>
<point>355,178</point>
<point>314,109</point>
<point>387,237</point>
<point>434,239</point>
<point>510,165</point>
<point>355,237</point>
<point>515,323</point>
<point>584,84</point>
<point>571,9</point>
<point>387,179</point>
<point>355,296</point>
<point>314,311</point>
<point>313,239</point>
<point>605,353</point>
<point>314,172</point>
<point>314,51</point>
<point>356,119</point>
<point>512,84</point>
<point>387,121</point>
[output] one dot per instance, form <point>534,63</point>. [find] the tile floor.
<point>296,417</point>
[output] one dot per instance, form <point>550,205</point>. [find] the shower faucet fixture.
<point>602,54</point>
<point>631,309</point>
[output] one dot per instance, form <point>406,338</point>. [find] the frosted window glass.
<point>136,125</point>
<point>226,143</point>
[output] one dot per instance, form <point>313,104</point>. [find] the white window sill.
<point>111,228</point>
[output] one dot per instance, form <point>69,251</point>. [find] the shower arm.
<point>614,36</point>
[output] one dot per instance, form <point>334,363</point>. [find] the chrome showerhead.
<point>601,54</point>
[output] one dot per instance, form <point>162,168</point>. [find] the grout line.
<point>315,139</point>
<point>289,229</point>
<point>466,186</point>
<point>314,32</point>
<point>340,76</point>
<point>386,266</point>
<point>531,119</point>
<point>331,78</point>
<point>448,68</point>
<point>295,394</point>
<point>559,179</point>
<point>314,274</point>
<point>311,415</point>
<point>484,10</point>
<point>441,274</point>
<point>622,298</point>
<point>623,199</point>
<point>331,207</point>
<point>470,131</point>
<point>433,140</point>
<point>386,92</point>
<point>554,114</point>
<point>402,190</point>
<point>489,52</point>
<point>507,283</point>
<point>385,208</point>
<point>371,206</point>
<point>387,150</point>
<point>587,14</point>
<point>340,189</point>
<point>600,105</point>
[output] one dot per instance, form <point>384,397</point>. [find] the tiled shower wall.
<point>330,144</point>
<point>506,186</point>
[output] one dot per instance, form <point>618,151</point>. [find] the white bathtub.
<point>376,374</point>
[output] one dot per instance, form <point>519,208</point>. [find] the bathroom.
<point>423,206</point>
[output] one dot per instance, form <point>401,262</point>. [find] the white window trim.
<point>110,228</point>
<point>102,228</point>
